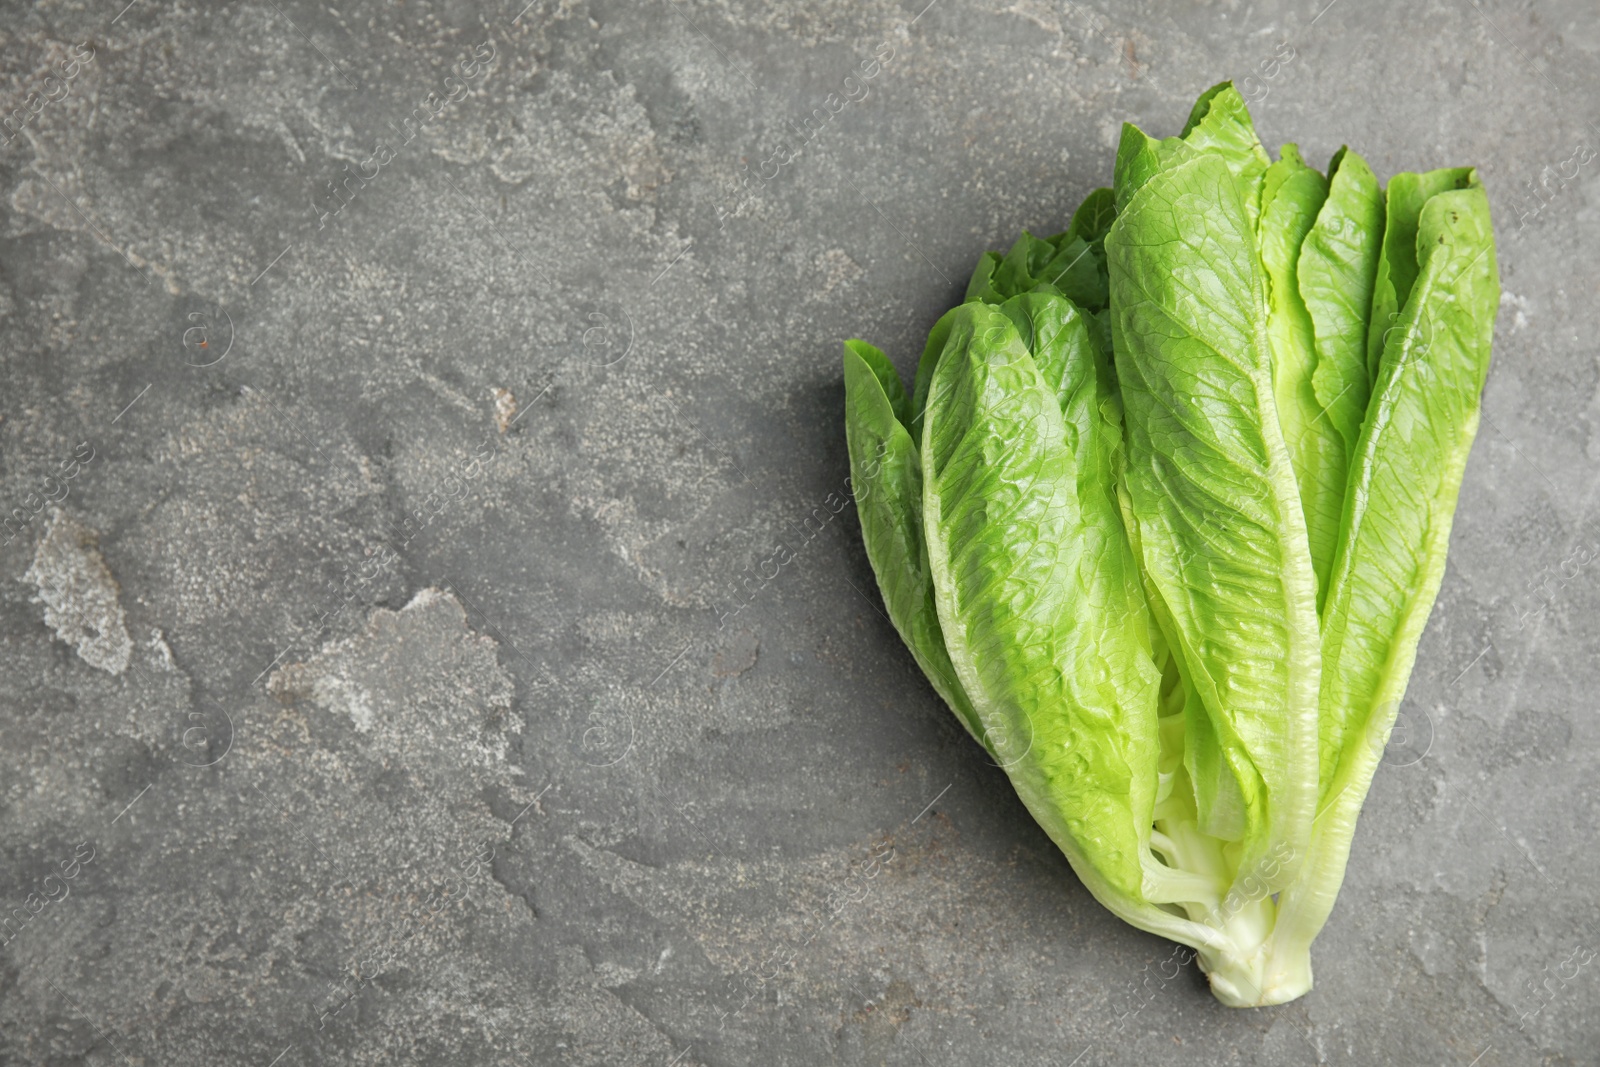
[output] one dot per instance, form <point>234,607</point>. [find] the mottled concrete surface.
<point>370,608</point>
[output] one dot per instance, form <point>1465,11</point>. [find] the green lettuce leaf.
<point>888,378</point>
<point>1019,267</point>
<point>1071,263</point>
<point>1337,269</point>
<point>886,477</point>
<point>1292,194</point>
<point>1139,157</point>
<point>1211,484</point>
<point>1067,352</point>
<point>1039,596</point>
<point>1219,125</point>
<point>1397,262</point>
<point>1406,474</point>
<point>1093,218</point>
<point>981,285</point>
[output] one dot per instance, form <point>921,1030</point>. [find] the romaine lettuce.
<point>1167,508</point>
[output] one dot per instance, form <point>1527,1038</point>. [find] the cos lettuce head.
<point>1165,512</point>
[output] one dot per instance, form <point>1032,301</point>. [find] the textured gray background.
<point>524,767</point>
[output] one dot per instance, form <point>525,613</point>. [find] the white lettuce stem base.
<point>1259,954</point>
<point>1254,976</point>
<point>1259,981</point>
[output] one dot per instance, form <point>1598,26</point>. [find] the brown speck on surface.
<point>505,407</point>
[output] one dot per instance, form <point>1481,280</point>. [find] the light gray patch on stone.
<point>79,595</point>
<point>415,678</point>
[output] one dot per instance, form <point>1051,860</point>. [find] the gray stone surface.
<point>374,691</point>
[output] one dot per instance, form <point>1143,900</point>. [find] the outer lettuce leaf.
<point>1337,269</point>
<point>1218,125</point>
<point>1211,483</point>
<point>888,378</point>
<point>1404,480</point>
<point>1039,596</point>
<point>1073,363</point>
<point>1139,157</point>
<point>886,475</point>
